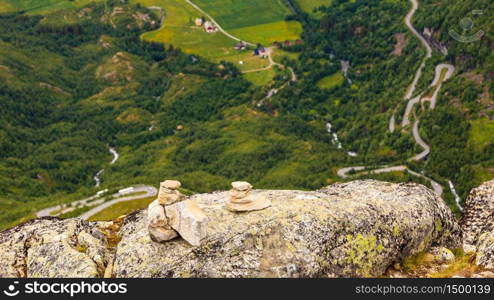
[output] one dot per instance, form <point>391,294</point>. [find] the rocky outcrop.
<point>478,213</point>
<point>485,250</point>
<point>478,224</point>
<point>353,229</point>
<point>52,247</point>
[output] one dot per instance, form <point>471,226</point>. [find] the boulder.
<point>158,227</point>
<point>353,229</point>
<point>52,247</point>
<point>442,255</point>
<point>478,212</point>
<point>485,251</point>
<point>188,220</point>
<point>478,224</point>
<point>345,230</point>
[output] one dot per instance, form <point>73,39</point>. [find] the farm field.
<point>269,33</point>
<point>260,78</point>
<point>255,21</point>
<point>40,6</point>
<point>232,14</point>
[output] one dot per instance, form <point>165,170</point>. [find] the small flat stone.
<point>188,220</point>
<point>241,185</point>
<point>171,184</point>
<point>161,234</point>
<point>170,197</point>
<point>238,195</point>
<point>251,203</point>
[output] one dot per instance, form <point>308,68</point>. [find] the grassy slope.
<point>482,133</point>
<point>331,81</point>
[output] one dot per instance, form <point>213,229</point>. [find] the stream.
<point>97,177</point>
<point>335,140</point>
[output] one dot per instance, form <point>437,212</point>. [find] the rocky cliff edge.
<point>344,230</point>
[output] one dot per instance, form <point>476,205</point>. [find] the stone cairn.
<point>172,214</point>
<point>242,199</point>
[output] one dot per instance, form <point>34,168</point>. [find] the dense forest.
<point>78,81</point>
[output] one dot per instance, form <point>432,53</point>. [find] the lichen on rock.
<point>354,229</point>
<point>52,247</point>
<point>478,224</point>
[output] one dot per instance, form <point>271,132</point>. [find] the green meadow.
<point>232,14</point>
<point>40,6</point>
<point>255,21</point>
<point>481,134</point>
<point>269,33</point>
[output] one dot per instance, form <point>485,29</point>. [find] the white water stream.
<point>97,177</point>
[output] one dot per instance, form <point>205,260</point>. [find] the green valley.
<point>176,101</point>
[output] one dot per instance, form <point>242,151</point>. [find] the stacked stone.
<point>172,214</point>
<point>242,199</point>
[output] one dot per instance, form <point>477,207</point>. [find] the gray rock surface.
<point>478,213</point>
<point>52,247</point>
<point>352,229</point>
<point>478,224</point>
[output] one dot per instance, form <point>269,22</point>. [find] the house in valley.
<point>210,27</point>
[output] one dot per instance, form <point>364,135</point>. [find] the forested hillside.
<point>383,56</point>
<point>76,81</point>
<point>461,131</point>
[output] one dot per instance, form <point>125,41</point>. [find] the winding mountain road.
<point>416,135</point>
<point>149,191</point>
<point>418,74</point>
<point>436,84</point>
<point>98,201</point>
